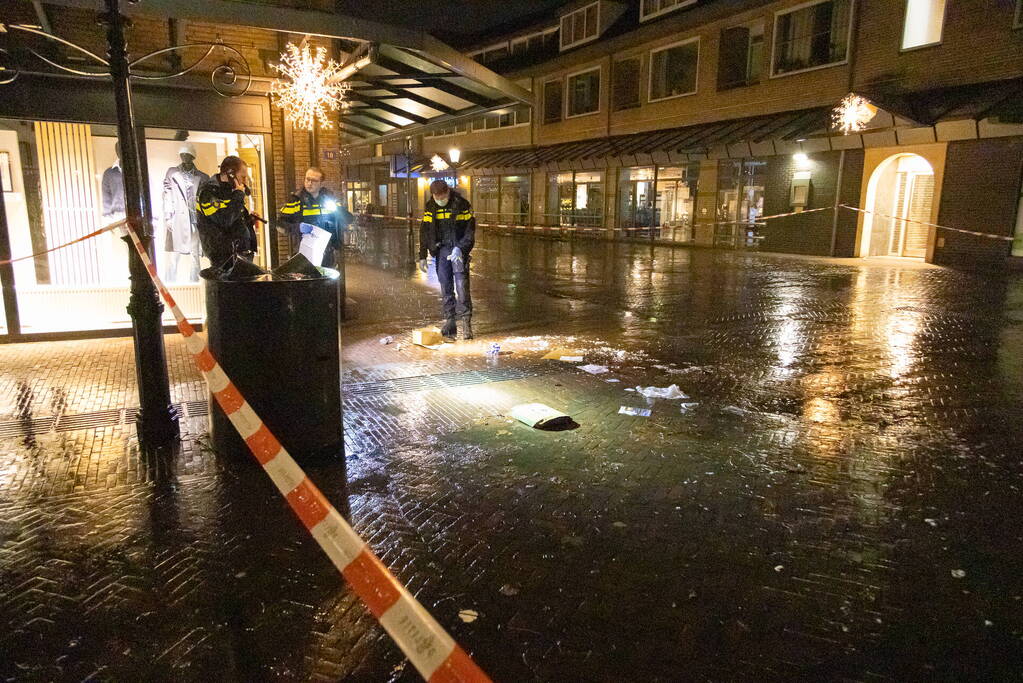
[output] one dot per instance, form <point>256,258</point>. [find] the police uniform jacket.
<point>453,225</point>
<point>224,223</point>
<point>302,207</point>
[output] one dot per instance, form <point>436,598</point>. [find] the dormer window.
<point>655,8</point>
<point>580,26</point>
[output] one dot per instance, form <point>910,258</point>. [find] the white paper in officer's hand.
<point>314,244</point>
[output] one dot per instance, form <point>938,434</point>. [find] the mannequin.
<point>113,189</point>
<point>112,249</point>
<point>182,241</point>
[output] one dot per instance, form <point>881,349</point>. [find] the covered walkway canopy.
<point>412,81</point>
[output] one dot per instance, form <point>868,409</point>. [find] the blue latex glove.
<point>305,228</point>
<point>455,255</point>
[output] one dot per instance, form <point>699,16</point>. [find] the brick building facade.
<point>747,90</point>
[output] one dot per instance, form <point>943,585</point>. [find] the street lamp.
<point>454,155</point>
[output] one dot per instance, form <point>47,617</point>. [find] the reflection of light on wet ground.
<point>900,331</point>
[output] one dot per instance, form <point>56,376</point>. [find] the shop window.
<point>657,201</point>
<point>485,195</point>
<point>584,93</point>
<point>673,70</point>
<point>741,55</point>
<point>575,199</point>
<point>514,201</point>
<point>655,8</point>
<point>740,201</point>
<point>923,23</point>
<point>580,26</point>
<point>67,181</point>
<point>625,84</point>
<point>552,102</point>
<point>359,196</point>
<point>811,37</point>
<point>675,201</point>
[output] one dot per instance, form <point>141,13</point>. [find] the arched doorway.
<point>900,197</point>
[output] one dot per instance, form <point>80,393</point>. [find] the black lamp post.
<point>157,420</point>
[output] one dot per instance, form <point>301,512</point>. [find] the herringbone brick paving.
<point>854,447</point>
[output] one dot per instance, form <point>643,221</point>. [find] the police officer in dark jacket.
<point>316,205</point>
<point>447,233</point>
<point>224,224</point>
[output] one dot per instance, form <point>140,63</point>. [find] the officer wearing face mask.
<point>447,233</point>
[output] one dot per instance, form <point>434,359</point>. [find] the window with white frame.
<point>811,36</point>
<point>673,70</point>
<point>584,92</point>
<point>625,84</point>
<point>655,8</point>
<point>580,26</point>
<point>923,23</point>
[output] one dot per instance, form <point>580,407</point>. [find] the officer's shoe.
<point>466,328</point>
<point>449,330</point>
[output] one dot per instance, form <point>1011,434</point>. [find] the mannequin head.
<point>187,154</point>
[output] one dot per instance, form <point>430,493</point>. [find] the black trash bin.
<point>278,342</point>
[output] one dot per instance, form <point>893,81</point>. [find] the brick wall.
<point>811,233</point>
<point>980,192</point>
<point>978,44</point>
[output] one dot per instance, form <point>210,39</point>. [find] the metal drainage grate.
<point>122,416</point>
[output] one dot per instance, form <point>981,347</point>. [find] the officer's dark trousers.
<point>454,287</point>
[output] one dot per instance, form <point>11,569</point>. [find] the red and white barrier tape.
<point>1007,238</point>
<point>428,646</point>
<point>95,233</point>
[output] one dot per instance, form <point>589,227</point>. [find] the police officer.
<point>447,233</point>
<point>224,223</point>
<point>315,205</point>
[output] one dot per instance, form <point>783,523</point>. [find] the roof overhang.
<point>413,80</point>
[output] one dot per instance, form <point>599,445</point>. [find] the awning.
<point>405,90</point>
<point>696,139</point>
<point>976,101</point>
<point>414,82</point>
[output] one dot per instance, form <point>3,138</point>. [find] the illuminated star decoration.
<point>852,114</point>
<point>309,87</point>
<point>438,163</point>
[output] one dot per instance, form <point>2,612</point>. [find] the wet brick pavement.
<point>841,502</point>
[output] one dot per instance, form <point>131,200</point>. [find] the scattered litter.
<point>612,380</point>
<point>958,573</point>
<point>540,416</point>
<point>572,359</point>
<point>468,615</point>
<point>638,412</point>
<point>686,407</point>
<point>509,590</point>
<point>988,622</point>
<point>559,353</point>
<point>670,392</point>
<point>630,389</point>
<point>932,522</point>
<point>734,410</point>
<point>779,567</point>
<point>593,369</point>
<point>619,525</point>
<point>427,336</point>
<point>503,432</point>
<point>386,340</point>
<point>494,350</point>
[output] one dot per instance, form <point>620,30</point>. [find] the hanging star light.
<point>309,87</point>
<point>438,163</point>
<point>852,114</point>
